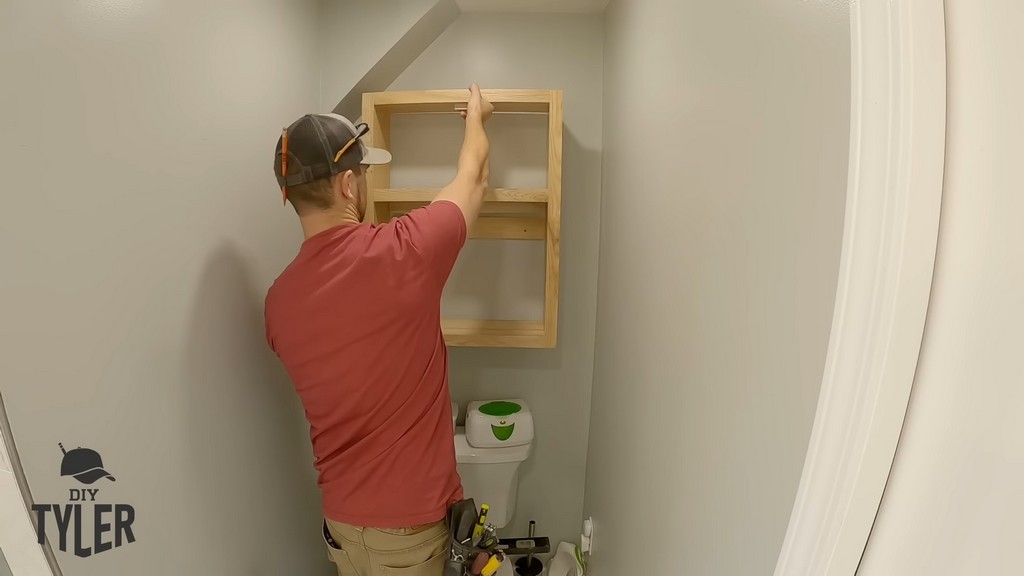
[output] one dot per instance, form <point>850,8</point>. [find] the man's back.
<point>355,319</point>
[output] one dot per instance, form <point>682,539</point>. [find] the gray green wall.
<point>726,135</point>
<point>140,230</point>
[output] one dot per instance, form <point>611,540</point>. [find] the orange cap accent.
<point>284,165</point>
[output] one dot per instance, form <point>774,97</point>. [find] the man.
<point>355,320</point>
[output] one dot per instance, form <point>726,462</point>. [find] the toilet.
<point>497,438</point>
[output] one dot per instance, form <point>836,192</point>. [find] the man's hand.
<point>478,107</point>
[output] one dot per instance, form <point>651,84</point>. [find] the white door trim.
<point>897,149</point>
<point>18,537</point>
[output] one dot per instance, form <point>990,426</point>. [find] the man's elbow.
<point>485,179</point>
<point>475,179</point>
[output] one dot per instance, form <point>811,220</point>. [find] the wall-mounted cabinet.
<point>508,213</point>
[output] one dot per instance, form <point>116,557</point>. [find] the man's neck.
<point>317,222</point>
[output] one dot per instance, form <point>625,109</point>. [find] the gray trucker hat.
<point>321,145</point>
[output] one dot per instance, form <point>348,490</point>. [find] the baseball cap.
<point>84,464</point>
<point>319,146</point>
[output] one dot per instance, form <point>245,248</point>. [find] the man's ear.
<point>343,185</point>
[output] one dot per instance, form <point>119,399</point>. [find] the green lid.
<point>500,408</point>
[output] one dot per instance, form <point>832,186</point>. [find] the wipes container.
<point>499,423</point>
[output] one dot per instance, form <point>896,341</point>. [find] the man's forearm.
<point>473,160</point>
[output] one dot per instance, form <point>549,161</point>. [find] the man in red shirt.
<point>355,320</point>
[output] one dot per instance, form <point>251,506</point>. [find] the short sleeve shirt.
<point>355,319</point>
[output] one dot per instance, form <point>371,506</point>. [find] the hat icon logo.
<point>83,464</point>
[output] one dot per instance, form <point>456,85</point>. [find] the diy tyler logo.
<point>111,523</point>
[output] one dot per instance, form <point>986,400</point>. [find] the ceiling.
<point>532,5</point>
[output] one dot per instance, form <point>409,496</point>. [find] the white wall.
<point>366,45</point>
<point>726,134</point>
<point>141,227</point>
<point>953,501</point>
<point>355,35</point>
<point>506,277</point>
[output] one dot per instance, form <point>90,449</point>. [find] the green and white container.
<point>499,423</point>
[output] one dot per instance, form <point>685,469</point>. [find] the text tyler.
<point>109,520</point>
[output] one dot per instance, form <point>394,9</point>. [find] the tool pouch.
<point>461,518</point>
<point>460,567</point>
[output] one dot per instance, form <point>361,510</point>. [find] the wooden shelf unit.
<point>508,213</point>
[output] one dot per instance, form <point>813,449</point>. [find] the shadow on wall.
<point>250,461</point>
<point>540,376</point>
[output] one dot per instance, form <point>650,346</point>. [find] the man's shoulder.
<point>273,297</point>
<point>285,281</point>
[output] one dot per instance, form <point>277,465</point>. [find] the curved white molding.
<point>25,557</point>
<point>897,147</point>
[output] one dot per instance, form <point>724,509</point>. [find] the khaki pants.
<point>416,551</point>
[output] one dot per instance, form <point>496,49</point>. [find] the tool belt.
<point>463,552</point>
<point>461,518</point>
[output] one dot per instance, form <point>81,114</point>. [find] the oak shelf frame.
<point>507,214</point>
<point>538,195</point>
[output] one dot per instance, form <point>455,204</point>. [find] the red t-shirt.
<point>356,321</point>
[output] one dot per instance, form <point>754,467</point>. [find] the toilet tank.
<point>491,475</point>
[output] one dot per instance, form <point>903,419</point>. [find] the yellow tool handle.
<point>478,529</point>
<point>491,567</point>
